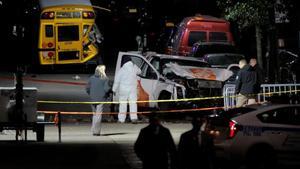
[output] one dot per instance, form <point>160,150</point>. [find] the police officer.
<point>245,87</point>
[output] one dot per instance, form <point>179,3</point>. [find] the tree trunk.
<point>258,46</point>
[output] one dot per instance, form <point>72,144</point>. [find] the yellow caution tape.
<point>144,112</point>
<point>157,101</point>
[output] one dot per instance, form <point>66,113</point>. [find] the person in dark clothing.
<point>259,74</point>
<point>245,87</point>
<point>97,88</point>
<point>196,148</point>
<point>155,146</point>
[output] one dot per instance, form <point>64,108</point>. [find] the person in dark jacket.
<point>155,146</point>
<point>259,73</point>
<point>246,81</point>
<point>97,88</point>
<point>196,148</point>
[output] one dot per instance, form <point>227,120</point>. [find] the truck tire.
<point>164,105</point>
<point>40,132</point>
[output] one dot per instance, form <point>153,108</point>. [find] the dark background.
<point>120,27</point>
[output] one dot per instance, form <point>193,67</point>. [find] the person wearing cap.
<point>97,88</point>
<point>125,85</point>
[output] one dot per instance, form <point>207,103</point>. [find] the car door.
<point>289,121</point>
<point>147,80</point>
<point>282,127</point>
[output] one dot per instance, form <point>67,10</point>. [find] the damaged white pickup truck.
<point>168,77</point>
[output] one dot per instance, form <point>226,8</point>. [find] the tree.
<point>250,13</point>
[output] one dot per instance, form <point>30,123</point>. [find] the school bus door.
<point>68,43</point>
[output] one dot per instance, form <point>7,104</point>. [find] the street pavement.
<point>78,149</point>
<point>55,87</point>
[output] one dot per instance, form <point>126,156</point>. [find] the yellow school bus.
<point>67,32</point>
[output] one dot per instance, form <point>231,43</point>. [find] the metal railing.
<point>267,90</point>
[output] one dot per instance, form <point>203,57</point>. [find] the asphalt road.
<point>61,156</point>
<point>55,87</point>
<point>79,149</point>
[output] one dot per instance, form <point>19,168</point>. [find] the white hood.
<point>191,72</point>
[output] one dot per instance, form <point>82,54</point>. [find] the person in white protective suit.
<point>97,88</point>
<point>125,85</point>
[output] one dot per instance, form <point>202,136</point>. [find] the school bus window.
<point>49,31</point>
<point>68,33</point>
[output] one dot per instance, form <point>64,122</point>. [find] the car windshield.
<point>201,50</point>
<point>225,59</point>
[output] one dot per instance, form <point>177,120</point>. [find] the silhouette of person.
<point>259,74</point>
<point>195,147</point>
<point>245,84</point>
<point>155,146</point>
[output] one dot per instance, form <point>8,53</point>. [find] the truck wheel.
<point>114,108</point>
<point>40,132</point>
<point>164,105</point>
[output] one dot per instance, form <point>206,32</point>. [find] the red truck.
<point>199,28</point>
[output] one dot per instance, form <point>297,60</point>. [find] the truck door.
<point>147,80</point>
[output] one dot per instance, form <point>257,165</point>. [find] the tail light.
<point>50,45</point>
<point>214,133</point>
<point>88,15</point>
<point>232,129</point>
<point>50,54</point>
<point>48,15</point>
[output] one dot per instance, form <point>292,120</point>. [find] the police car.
<point>258,136</point>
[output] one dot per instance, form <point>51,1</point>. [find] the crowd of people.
<point>155,146</point>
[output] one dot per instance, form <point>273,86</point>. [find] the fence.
<point>267,90</point>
